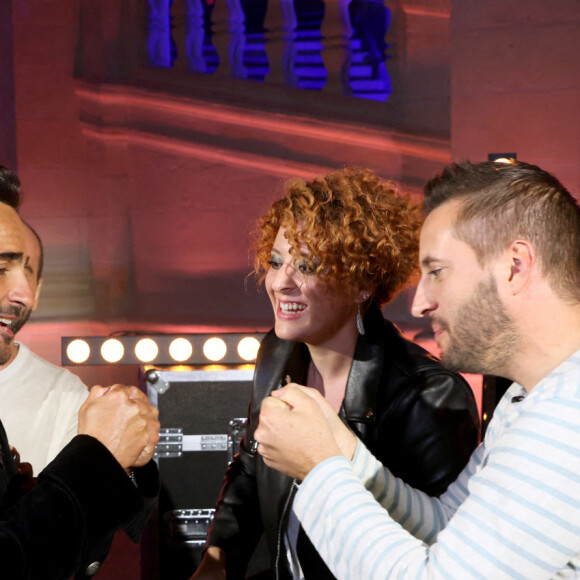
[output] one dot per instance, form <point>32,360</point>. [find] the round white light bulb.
<point>180,349</point>
<point>112,350</point>
<point>214,349</point>
<point>78,351</point>
<point>146,350</point>
<point>248,348</point>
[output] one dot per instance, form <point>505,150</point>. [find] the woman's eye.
<point>305,268</point>
<point>276,264</point>
<point>435,273</point>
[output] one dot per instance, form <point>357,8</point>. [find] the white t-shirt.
<point>39,404</point>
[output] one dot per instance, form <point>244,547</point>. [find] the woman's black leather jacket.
<point>417,418</point>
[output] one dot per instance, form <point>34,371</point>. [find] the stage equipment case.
<point>203,416</point>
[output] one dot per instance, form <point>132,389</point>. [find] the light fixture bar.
<point>161,349</point>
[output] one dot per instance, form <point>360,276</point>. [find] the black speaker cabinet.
<point>202,414</point>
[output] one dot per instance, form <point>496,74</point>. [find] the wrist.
<point>215,556</point>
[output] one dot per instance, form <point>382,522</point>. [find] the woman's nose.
<point>284,278</point>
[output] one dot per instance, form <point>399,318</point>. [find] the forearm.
<point>212,566</point>
<point>497,532</point>
<point>147,481</point>
<point>236,526</point>
<point>346,525</point>
<point>81,498</point>
<point>412,509</point>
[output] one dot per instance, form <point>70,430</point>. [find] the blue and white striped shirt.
<point>514,511</point>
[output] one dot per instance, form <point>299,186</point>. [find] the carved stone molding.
<point>277,144</point>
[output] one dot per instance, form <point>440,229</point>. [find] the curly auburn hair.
<point>361,233</point>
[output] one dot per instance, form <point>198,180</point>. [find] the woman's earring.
<point>359,319</point>
<point>359,322</point>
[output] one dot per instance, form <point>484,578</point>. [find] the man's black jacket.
<point>66,523</point>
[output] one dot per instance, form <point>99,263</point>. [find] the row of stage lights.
<point>162,349</point>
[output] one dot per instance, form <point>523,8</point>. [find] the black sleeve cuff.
<point>100,485</point>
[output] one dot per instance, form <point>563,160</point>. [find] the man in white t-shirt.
<point>39,401</point>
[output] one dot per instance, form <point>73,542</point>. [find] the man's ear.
<point>37,294</point>
<point>522,259</point>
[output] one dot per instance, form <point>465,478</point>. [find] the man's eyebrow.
<point>12,256</point>
<point>427,261</point>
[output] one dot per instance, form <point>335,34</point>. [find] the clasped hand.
<point>298,429</point>
<point>124,421</point>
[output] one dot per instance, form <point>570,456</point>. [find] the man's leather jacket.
<point>417,418</point>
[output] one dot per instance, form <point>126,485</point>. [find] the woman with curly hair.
<point>331,252</point>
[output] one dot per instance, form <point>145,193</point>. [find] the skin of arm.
<point>212,566</point>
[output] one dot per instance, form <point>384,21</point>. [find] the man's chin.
<point>462,363</point>
<point>450,363</point>
<point>6,350</point>
<point>454,361</point>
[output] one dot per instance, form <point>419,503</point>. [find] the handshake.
<point>124,421</point>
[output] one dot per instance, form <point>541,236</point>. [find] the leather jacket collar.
<point>282,357</point>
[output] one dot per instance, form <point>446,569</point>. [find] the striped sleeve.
<point>514,513</point>
<point>418,513</point>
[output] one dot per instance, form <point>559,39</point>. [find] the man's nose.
<point>20,291</point>
<point>422,305</point>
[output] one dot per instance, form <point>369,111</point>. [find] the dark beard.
<point>23,314</point>
<point>484,337</point>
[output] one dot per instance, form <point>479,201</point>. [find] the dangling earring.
<point>359,319</point>
<point>359,322</point>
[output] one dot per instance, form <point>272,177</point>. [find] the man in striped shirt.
<point>500,261</point>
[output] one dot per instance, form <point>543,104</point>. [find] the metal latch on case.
<point>173,443</point>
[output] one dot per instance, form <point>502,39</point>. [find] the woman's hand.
<point>212,566</point>
<point>25,474</point>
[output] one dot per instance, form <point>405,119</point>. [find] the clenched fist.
<point>123,420</point>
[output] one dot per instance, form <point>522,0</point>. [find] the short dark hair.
<point>10,194</point>
<point>9,188</point>
<point>41,247</point>
<point>501,202</point>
